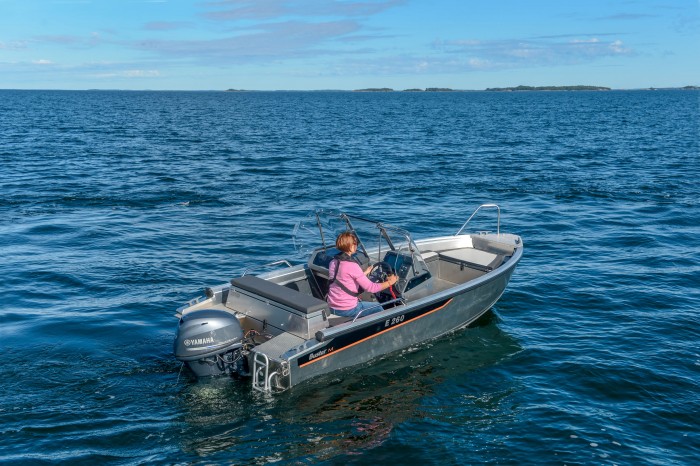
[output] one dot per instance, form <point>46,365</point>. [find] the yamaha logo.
<point>198,341</point>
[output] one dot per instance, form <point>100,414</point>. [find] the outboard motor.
<point>210,342</point>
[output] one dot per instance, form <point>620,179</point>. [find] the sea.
<point>117,207</point>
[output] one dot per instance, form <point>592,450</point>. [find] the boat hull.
<point>290,335</point>
<point>394,329</point>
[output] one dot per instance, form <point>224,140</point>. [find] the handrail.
<point>498,226</point>
<point>270,264</point>
<point>261,368</point>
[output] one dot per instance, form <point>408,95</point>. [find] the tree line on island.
<point>382,89</point>
<point>548,88</point>
<point>503,89</point>
<point>497,89</point>
<point>388,89</point>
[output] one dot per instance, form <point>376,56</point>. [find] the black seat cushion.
<point>279,294</point>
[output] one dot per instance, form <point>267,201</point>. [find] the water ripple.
<point>117,207</point>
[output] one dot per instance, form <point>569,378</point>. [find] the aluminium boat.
<point>276,330</point>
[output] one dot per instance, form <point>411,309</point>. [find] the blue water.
<point>117,207</point>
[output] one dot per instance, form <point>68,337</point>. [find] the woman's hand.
<point>368,269</point>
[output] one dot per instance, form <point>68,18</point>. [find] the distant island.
<point>684,88</point>
<point>493,89</point>
<point>388,89</point>
<point>375,89</point>
<point>490,89</point>
<point>548,88</point>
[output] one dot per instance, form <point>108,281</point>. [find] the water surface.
<point>117,207</point>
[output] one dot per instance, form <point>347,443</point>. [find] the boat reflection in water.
<point>354,409</point>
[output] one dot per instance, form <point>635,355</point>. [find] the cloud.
<point>129,74</point>
<point>532,52</point>
<point>273,29</point>
<point>470,55</point>
<point>687,23</point>
<point>229,10</point>
<point>258,31</point>
<point>626,17</point>
<point>573,36</point>
<point>291,39</point>
<point>14,45</point>
<point>140,73</point>
<point>32,66</point>
<point>92,40</point>
<point>619,48</point>
<point>61,39</point>
<point>166,25</point>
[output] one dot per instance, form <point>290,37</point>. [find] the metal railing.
<point>262,379</point>
<point>265,381</point>
<point>484,206</point>
<point>270,264</point>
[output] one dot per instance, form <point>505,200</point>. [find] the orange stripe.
<point>376,334</point>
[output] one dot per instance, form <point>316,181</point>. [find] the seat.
<point>280,294</point>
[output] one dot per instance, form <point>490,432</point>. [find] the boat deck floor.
<point>441,285</point>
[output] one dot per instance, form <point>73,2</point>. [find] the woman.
<point>347,281</point>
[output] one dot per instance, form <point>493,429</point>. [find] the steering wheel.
<point>380,272</point>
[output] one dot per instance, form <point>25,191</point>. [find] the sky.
<point>347,44</point>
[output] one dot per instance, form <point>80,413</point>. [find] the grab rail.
<point>485,206</point>
<point>261,373</point>
<point>270,264</point>
<point>262,377</point>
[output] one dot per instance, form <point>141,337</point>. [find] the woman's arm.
<point>372,287</point>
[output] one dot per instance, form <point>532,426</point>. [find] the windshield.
<point>376,241</point>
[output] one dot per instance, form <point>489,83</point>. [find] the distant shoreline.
<point>515,89</point>
<point>548,88</point>
<point>490,89</point>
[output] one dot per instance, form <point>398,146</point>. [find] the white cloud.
<point>504,54</point>
<point>166,25</point>
<point>92,40</point>
<point>478,64</point>
<point>618,47</point>
<point>13,45</point>
<point>141,73</point>
<point>284,40</point>
<point>468,55</point>
<point>129,74</point>
<point>232,10</point>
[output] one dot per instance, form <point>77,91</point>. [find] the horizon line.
<point>379,90</point>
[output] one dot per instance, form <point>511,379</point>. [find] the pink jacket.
<point>351,275</point>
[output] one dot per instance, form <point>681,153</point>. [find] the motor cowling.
<point>209,342</point>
